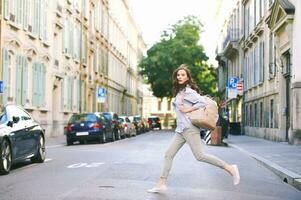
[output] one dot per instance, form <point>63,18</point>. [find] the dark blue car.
<point>87,127</point>
<point>21,137</point>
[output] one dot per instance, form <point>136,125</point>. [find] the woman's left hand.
<point>184,109</point>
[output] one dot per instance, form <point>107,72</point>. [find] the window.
<point>251,16</point>
<point>251,116</point>
<point>169,104</point>
<point>271,113</point>
<point>38,84</point>
<point>70,86</point>
<point>246,116</point>
<point>159,104</point>
<point>255,115</point>
<point>6,74</point>
<point>21,80</point>
<point>3,118</point>
<point>261,62</point>
<point>272,66</point>
<point>261,114</point>
<point>62,94</point>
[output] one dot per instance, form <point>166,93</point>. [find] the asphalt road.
<point>126,169</point>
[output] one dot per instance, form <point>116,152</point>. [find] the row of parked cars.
<point>107,126</point>
<point>22,137</point>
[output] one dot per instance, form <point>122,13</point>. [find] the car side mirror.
<point>10,123</point>
<point>16,119</point>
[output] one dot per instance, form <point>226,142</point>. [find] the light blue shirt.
<point>191,98</point>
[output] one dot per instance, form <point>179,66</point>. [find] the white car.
<point>129,127</point>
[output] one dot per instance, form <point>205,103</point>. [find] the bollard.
<point>216,136</point>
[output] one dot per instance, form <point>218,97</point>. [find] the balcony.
<point>230,44</point>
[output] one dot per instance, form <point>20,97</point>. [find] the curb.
<point>286,175</point>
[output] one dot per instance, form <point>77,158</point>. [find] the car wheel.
<point>41,154</point>
<point>103,138</point>
<point>118,134</point>
<point>6,157</point>
<point>113,136</point>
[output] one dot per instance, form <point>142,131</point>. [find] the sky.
<point>154,16</point>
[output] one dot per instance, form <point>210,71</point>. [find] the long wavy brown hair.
<point>176,87</point>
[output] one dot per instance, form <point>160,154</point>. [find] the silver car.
<point>129,127</point>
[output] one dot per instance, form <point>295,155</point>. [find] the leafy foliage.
<point>178,45</point>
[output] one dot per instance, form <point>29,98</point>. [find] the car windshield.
<point>83,118</point>
<point>108,116</point>
<point>3,117</point>
<point>137,118</point>
<point>121,119</point>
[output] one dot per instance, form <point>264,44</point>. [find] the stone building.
<point>56,54</point>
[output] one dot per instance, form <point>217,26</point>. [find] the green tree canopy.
<point>179,44</point>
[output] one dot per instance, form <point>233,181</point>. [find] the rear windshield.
<point>137,118</point>
<point>83,118</point>
<point>153,119</point>
<point>108,116</point>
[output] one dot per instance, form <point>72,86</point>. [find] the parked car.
<point>87,127</point>
<point>137,121</point>
<point>154,122</point>
<point>129,127</point>
<point>116,125</point>
<point>21,137</point>
<point>146,125</point>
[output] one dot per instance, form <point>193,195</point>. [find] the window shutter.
<point>25,14</point>
<point>18,81</point>
<point>6,9</point>
<point>72,93</point>
<point>41,19</point>
<point>62,94</point>
<point>45,21</point>
<point>43,85</point>
<point>78,94</point>
<point>25,80</point>
<point>19,7</point>
<point>36,17</point>
<point>5,67</point>
<point>38,88</point>
<point>34,83</point>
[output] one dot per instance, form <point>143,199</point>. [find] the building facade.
<point>265,50</point>
<point>161,107</point>
<point>56,54</point>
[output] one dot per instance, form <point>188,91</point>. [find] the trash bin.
<point>216,136</point>
<point>235,128</point>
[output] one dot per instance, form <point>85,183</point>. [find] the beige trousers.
<point>190,135</point>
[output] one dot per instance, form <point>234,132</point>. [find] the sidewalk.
<point>280,157</point>
<point>55,140</point>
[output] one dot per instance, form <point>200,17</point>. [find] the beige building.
<point>153,106</point>
<point>266,52</point>
<point>56,54</point>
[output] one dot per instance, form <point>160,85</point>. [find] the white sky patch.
<point>157,15</point>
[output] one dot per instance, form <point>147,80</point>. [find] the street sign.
<point>101,94</point>
<point>239,86</point>
<point>232,83</point>
<point>232,93</point>
<point>1,87</point>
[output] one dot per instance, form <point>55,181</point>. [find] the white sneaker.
<point>236,177</point>
<point>157,189</point>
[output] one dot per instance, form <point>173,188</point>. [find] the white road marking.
<point>79,165</point>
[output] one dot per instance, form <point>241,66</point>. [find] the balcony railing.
<point>232,36</point>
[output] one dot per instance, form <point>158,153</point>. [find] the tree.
<point>178,45</point>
